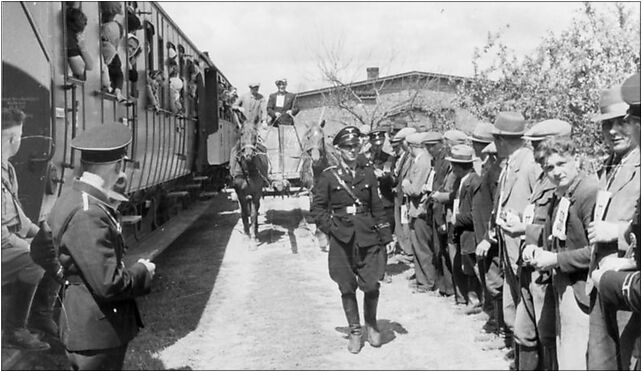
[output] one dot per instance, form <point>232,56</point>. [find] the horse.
<point>318,155</point>
<point>249,170</point>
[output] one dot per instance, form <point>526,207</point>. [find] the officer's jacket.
<point>331,200</point>
<point>383,161</point>
<point>541,202</point>
<point>483,194</point>
<point>16,226</point>
<point>464,226</point>
<point>573,253</point>
<point>289,103</point>
<point>99,307</point>
<point>623,182</point>
<point>417,177</point>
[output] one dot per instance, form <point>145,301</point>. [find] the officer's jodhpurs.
<point>351,266</point>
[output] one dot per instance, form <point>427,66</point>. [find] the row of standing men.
<point>524,234</point>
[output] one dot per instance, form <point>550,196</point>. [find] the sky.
<point>263,41</point>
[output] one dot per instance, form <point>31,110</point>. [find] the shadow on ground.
<point>185,276</point>
<point>389,330</point>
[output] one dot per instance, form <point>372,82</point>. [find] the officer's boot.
<point>549,356</point>
<point>528,359</point>
<point>351,309</point>
<point>41,318</point>
<point>16,333</point>
<point>370,301</point>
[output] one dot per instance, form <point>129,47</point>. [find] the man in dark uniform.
<point>382,163</point>
<point>100,314</point>
<point>347,207</point>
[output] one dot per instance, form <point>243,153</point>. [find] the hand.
<point>544,260</point>
<point>80,40</point>
<point>378,173</point>
<point>289,112</point>
<point>482,248</point>
<point>602,232</point>
<point>390,247</point>
<point>512,224</point>
<point>426,188</point>
<point>442,229</point>
<point>405,183</point>
<point>277,114</point>
<point>616,263</point>
<point>440,197</point>
<point>149,265</point>
<point>596,275</point>
<point>529,252</point>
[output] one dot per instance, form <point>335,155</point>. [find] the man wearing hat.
<point>487,251</point>
<point>281,105</point>
<point>251,104</point>
<point>444,185</point>
<point>535,313</point>
<point>619,183</point>
<point>461,159</point>
<point>347,208</point>
<point>100,314</point>
<point>412,187</point>
<point>20,274</point>
<point>516,183</point>
<point>401,167</point>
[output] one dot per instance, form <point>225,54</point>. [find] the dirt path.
<point>275,309</point>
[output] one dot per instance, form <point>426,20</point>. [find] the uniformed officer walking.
<point>100,316</point>
<point>347,207</point>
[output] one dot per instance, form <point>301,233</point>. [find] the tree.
<point>563,76</point>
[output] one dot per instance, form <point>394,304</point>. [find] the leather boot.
<point>528,359</point>
<point>370,301</point>
<point>41,319</point>
<point>354,339</point>
<point>549,356</point>
<point>15,333</point>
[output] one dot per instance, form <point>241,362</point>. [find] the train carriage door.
<point>207,116</point>
<point>26,85</point>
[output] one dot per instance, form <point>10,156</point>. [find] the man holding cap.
<point>100,314</point>
<point>347,208</point>
<point>413,188</point>
<point>401,167</point>
<point>251,104</point>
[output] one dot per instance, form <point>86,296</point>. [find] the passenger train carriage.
<point>176,151</point>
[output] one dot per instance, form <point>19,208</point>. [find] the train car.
<point>169,93</point>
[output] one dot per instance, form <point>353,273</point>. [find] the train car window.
<point>111,34</point>
<point>134,47</point>
<point>78,57</point>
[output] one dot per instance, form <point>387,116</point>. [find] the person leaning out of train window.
<point>281,105</point>
<point>133,51</point>
<point>20,275</point>
<point>155,79</point>
<point>346,206</point>
<point>80,60</point>
<point>101,316</point>
<point>111,32</point>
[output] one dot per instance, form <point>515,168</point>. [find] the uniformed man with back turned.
<point>347,208</point>
<point>100,314</point>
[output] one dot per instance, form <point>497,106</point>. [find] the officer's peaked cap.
<point>103,144</point>
<point>548,128</point>
<point>347,136</point>
<point>377,136</point>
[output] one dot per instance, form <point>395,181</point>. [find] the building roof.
<point>386,78</point>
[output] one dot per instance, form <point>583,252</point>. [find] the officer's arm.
<point>321,204</point>
<point>612,291</point>
<point>89,240</point>
<point>378,212</point>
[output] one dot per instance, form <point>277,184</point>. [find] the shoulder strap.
<point>342,183</point>
<point>63,228</point>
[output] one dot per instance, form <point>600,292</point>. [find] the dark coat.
<point>542,201</point>
<point>383,161</point>
<point>99,307</point>
<point>289,103</point>
<point>330,200</point>
<point>483,194</point>
<point>464,227</point>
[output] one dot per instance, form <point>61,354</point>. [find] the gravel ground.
<point>219,304</point>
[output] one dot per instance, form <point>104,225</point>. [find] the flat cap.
<point>631,89</point>
<point>509,123</point>
<point>490,149</point>
<point>281,80</point>
<point>103,144</point>
<point>461,154</point>
<point>456,136</point>
<point>611,105</point>
<point>548,128</point>
<point>254,84</point>
<point>431,137</point>
<point>415,139</point>
<point>347,136</point>
<point>401,135</point>
<point>483,132</point>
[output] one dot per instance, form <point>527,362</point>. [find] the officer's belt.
<point>357,209</point>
